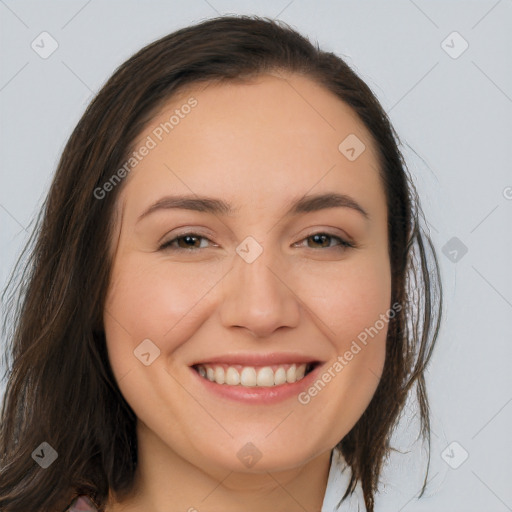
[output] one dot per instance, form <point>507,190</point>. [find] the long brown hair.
<point>60,387</point>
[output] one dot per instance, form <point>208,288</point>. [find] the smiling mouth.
<point>254,376</point>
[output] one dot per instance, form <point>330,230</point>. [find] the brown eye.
<point>323,241</point>
<point>185,242</point>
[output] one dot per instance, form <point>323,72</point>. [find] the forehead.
<point>275,136</point>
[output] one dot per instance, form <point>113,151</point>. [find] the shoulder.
<point>82,504</point>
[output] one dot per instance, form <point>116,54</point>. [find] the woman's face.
<point>227,268</point>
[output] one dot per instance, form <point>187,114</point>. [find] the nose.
<point>258,297</point>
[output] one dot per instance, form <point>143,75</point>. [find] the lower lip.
<point>259,395</point>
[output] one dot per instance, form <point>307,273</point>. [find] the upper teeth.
<point>250,376</point>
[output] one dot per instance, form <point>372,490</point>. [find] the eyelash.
<point>343,244</point>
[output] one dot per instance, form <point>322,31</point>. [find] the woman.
<point>222,305</point>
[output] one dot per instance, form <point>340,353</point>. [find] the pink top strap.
<point>82,504</point>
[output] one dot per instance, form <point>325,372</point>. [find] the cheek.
<point>154,300</point>
<point>357,310</point>
<point>348,298</point>
<point>364,296</point>
<point>354,308</point>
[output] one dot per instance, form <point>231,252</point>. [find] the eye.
<point>324,239</point>
<point>186,242</point>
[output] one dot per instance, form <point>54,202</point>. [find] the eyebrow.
<point>306,204</point>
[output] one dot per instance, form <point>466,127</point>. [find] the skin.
<point>258,146</point>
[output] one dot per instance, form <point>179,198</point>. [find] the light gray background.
<point>454,115</point>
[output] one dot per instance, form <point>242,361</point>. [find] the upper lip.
<point>252,359</point>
